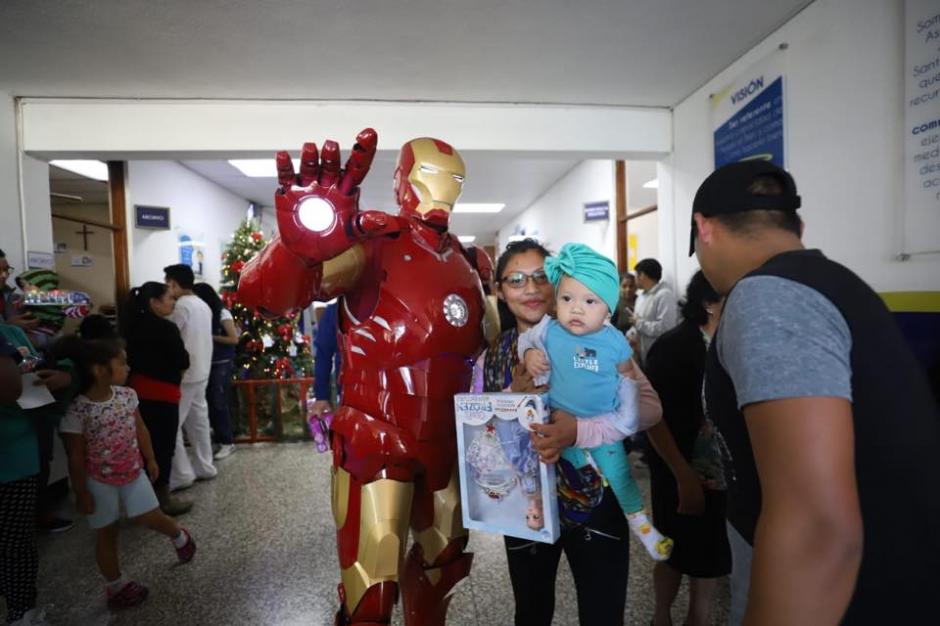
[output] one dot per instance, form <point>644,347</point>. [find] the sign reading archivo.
<point>748,115</point>
<point>157,217</point>
<point>922,125</point>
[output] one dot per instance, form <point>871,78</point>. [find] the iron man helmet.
<point>429,177</point>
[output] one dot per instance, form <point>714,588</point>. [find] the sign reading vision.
<point>748,115</point>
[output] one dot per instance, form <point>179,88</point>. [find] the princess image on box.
<point>501,456</point>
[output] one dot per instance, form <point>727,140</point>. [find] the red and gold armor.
<point>411,322</point>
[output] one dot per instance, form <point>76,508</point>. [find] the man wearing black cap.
<point>832,433</point>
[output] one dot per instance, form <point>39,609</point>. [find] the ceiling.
<point>611,52</point>
<point>593,52</point>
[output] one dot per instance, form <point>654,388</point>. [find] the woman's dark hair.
<point>137,305</point>
<point>210,297</point>
<point>96,327</point>
<point>506,319</point>
<point>87,354</point>
<point>697,295</point>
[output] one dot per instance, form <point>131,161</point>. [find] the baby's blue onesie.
<point>584,381</point>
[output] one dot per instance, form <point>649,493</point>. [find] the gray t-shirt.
<point>781,339</point>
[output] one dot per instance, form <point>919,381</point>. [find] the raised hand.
<point>318,207</point>
<point>318,218</point>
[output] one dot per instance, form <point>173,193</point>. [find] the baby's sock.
<point>658,546</point>
<point>113,586</point>
<point>180,540</point>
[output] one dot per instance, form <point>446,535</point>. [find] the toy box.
<point>503,486</point>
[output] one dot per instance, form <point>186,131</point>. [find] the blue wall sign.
<point>152,217</point>
<point>748,116</point>
<point>597,211</point>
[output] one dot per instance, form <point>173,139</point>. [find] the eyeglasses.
<point>518,280</point>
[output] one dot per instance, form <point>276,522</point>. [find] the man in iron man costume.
<point>411,321</point>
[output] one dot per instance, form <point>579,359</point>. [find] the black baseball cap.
<point>726,191</point>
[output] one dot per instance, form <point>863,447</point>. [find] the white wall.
<point>37,210</point>
<point>557,217</point>
<point>11,225</point>
<point>199,208</point>
<point>638,174</point>
<point>645,228</point>
<point>98,279</point>
<point>844,115</point>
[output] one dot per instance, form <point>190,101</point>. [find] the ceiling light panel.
<point>259,168</point>
<point>87,168</point>
<point>479,207</point>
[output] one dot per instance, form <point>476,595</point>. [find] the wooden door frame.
<point>623,217</point>
<point>120,234</point>
<point>620,201</point>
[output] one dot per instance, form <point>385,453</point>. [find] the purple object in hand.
<point>320,430</point>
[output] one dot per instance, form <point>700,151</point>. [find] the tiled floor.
<point>266,556</point>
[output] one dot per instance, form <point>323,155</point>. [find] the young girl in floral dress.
<point>109,450</point>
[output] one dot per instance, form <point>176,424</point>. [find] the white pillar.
<point>11,223</point>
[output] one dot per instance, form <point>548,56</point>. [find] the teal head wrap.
<point>590,268</point>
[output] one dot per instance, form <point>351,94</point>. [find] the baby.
<point>585,358</point>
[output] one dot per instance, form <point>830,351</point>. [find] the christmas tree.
<point>269,348</point>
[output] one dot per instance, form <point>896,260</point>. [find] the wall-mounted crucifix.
<point>84,232</point>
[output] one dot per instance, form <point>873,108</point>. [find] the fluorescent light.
<point>259,168</point>
<point>651,184</point>
<point>479,207</point>
<point>83,167</point>
<point>467,238</point>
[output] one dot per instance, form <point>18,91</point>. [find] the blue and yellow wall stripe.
<point>918,315</point>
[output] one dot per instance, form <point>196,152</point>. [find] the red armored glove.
<point>318,218</point>
<point>318,213</point>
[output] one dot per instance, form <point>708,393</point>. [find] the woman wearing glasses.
<point>598,549</point>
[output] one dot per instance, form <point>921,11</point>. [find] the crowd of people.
<point>122,399</point>
<point>787,456</point>
<point>792,435</point>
